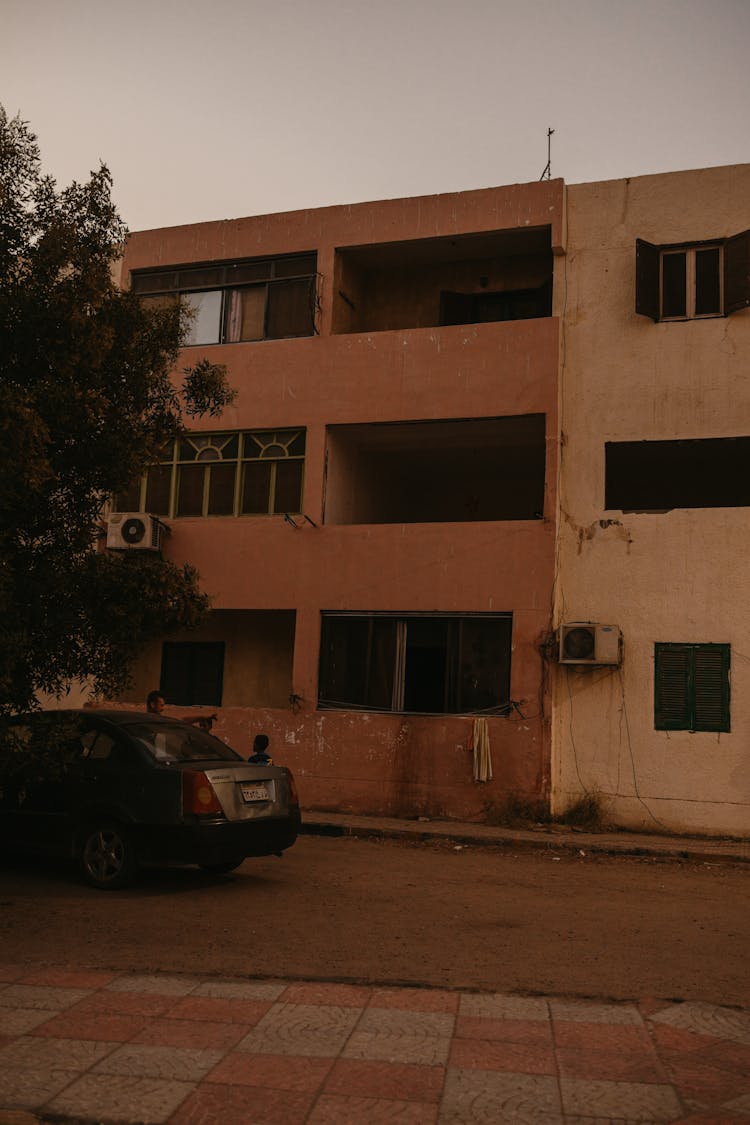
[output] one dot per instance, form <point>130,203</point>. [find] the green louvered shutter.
<point>672,688</point>
<point>691,688</point>
<point>711,687</point>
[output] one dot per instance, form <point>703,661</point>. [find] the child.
<point>259,757</point>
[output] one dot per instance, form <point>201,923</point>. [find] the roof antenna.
<point>547,173</point>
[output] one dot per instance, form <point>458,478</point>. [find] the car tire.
<point>107,857</point>
<point>221,868</point>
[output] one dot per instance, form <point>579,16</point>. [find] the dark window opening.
<point>707,282</point>
<point>233,302</point>
<point>674,282</point>
<point>656,476</point>
<point>456,471</point>
<point>419,664</point>
<point>691,687</point>
<point>483,308</point>
<point>192,673</point>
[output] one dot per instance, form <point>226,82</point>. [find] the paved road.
<point>385,912</point>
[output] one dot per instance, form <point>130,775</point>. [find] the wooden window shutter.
<point>711,687</point>
<point>646,279</point>
<point>672,687</point>
<point>737,272</point>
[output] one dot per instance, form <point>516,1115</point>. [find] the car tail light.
<point>199,796</point>
<point>293,795</point>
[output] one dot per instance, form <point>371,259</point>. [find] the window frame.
<point>690,253</point>
<point>679,692</point>
<point>230,277</point>
<point>396,672</point>
<point>175,463</point>
<point>733,276</point>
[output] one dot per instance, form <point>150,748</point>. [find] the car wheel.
<point>107,856</point>
<point>222,868</point>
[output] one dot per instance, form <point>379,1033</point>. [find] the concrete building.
<point>375,516</point>
<point>472,429</point>
<point>654,494</point>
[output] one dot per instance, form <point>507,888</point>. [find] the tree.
<point>87,399</point>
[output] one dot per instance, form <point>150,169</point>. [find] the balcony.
<point>427,283</point>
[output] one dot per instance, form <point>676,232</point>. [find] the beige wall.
<point>676,577</point>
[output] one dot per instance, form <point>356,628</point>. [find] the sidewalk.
<point>107,1048</point>
<point>555,837</point>
<point>101,1047</point>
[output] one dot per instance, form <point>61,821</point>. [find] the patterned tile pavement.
<point>175,1050</point>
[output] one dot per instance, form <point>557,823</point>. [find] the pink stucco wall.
<point>391,764</point>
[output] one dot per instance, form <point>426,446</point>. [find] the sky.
<point>214,109</point>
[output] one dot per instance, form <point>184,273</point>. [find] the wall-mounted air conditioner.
<point>134,531</point>
<point>582,642</point>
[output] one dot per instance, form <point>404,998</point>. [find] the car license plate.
<point>254,793</point>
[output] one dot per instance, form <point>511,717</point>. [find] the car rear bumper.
<point>217,841</point>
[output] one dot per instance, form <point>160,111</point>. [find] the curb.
<point>669,848</point>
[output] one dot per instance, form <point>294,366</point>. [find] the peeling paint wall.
<point>679,576</point>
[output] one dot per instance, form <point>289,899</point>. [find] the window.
<point>192,673</point>
<point>691,689</point>
<point>484,307</point>
<point>700,279</point>
<point>232,302</point>
<point>258,472</point>
<point>419,663</point>
<point>657,476</point>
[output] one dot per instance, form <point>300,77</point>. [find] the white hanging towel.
<point>482,754</point>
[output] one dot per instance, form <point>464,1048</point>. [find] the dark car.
<point>117,789</point>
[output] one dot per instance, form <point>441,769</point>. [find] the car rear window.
<point>179,743</point>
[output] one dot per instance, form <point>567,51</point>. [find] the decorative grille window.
<point>248,473</point>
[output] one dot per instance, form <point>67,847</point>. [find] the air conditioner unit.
<point>134,531</point>
<point>582,642</point>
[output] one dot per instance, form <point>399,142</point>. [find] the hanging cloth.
<point>482,755</point>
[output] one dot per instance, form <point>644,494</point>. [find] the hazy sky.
<point>210,109</point>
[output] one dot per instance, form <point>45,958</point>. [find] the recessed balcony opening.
<point>237,658</point>
<point>425,283</point>
<point>455,471</point>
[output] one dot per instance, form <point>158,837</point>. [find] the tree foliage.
<point>87,399</point>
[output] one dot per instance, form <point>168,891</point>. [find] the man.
<point>155,706</point>
<point>154,703</point>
